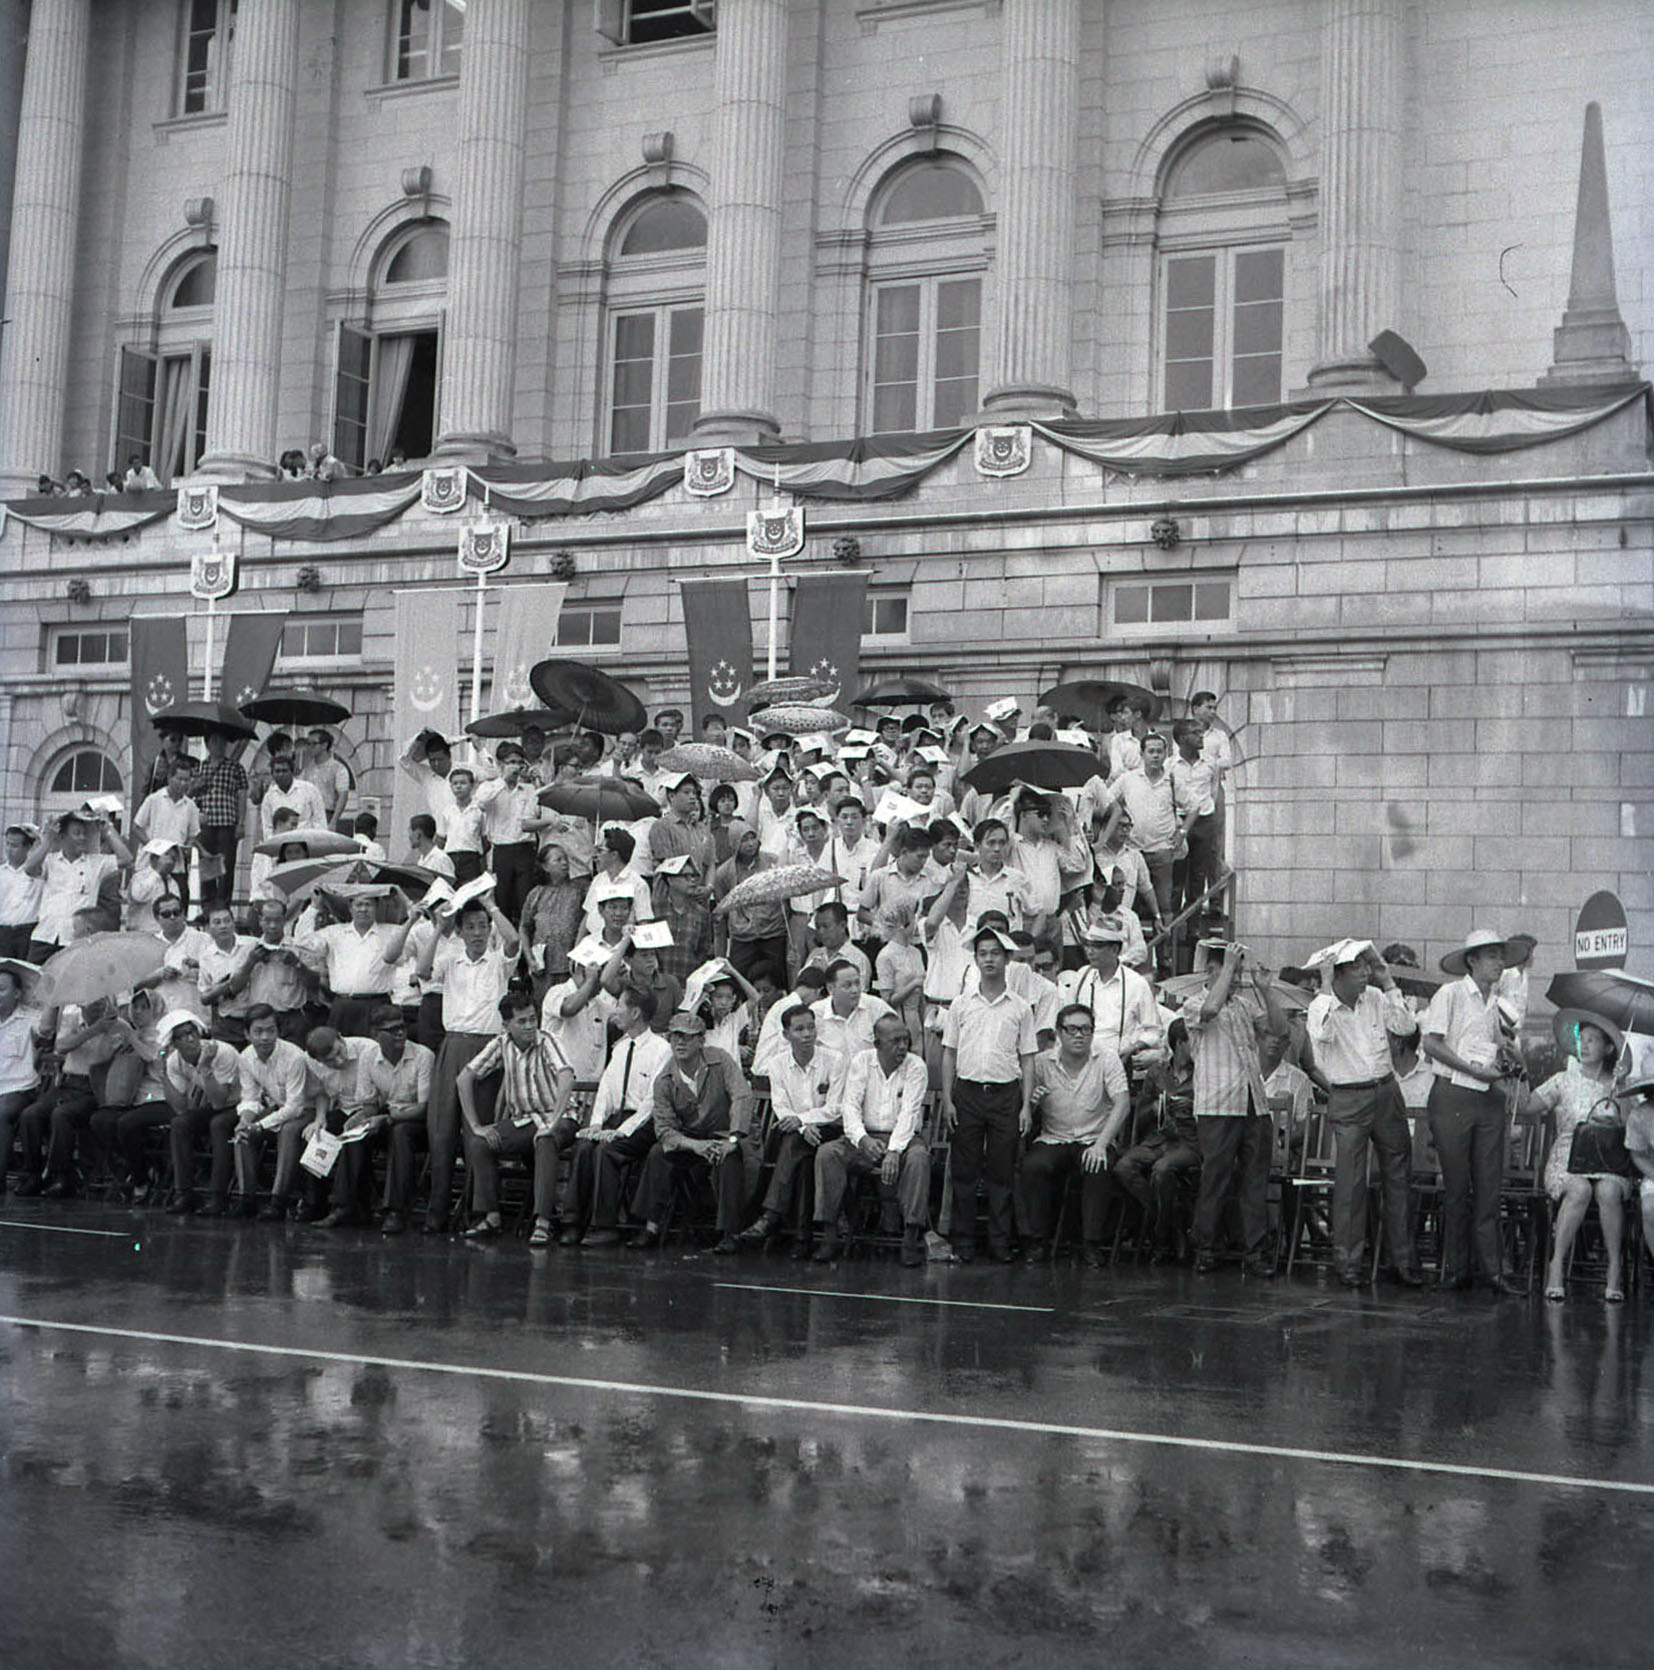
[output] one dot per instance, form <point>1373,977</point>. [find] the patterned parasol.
<point>710,763</point>
<point>797,687</point>
<point>800,719</point>
<point>786,881</point>
<point>99,966</point>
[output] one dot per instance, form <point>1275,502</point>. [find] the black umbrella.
<point>1042,765</point>
<point>905,691</point>
<point>1621,998</point>
<point>1091,698</point>
<point>292,707</point>
<point>200,718</point>
<point>600,798</point>
<point>588,695</point>
<point>514,721</point>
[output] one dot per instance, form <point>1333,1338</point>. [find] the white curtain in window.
<point>392,363</point>
<point>177,410</point>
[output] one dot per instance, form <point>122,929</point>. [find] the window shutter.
<point>134,406</point>
<point>609,20</point>
<point>350,395</point>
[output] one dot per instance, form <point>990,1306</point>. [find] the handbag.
<point>1598,1147</point>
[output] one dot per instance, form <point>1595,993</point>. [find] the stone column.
<point>252,245</point>
<point>480,335</point>
<point>40,275</point>
<point>1031,348</point>
<point>743,235</point>
<point>1360,191</point>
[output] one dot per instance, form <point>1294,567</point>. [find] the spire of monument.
<point>1592,344</point>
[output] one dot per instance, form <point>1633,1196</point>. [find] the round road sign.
<point>1599,935</point>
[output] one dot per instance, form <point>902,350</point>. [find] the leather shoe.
<point>826,1250</point>
<point>434,1225</point>
<point>569,1238</point>
<point>392,1223</point>
<point>1094,1258</point>
<point>1410,1278</point>
<point>182,1206</point>
<point>729,1244</point>
<point>756,1234</point>
<point>1262,1268</point>
<point>28,1187</point>
<point>964,1252</point>
<point>1039,1253</point>
<point>1504,1287</point>
<point>60,1188</point>
<point>337,1219</point>
<point>1002,1255</point>
<point>913,1248</point>
<point>602,1238</point>
<point>644,1240</point>
<point>1205,1263</point>
<point>275,1211</point>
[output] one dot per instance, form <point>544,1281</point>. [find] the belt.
<point>1366,1084</point>
<point>989,1084</point>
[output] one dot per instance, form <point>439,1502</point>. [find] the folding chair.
<point>1312,1178</point>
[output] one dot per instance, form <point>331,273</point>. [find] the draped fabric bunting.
<point>864,470</point>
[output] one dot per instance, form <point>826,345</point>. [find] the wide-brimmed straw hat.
<point>1514,950</point>
<point>1565,1025</point>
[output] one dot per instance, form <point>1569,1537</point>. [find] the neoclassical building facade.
<point>555,244</point>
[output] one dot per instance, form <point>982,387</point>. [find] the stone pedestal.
<point>479,346</point>
<point>743,235</point>
<point>252,245</point>
<point>45,226</point>
<point>1029,355</point>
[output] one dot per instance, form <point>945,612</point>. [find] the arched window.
<point>926,265</point>
<point>161,411</point>
<point>1223,236</point>
<point>76,776</point>
<point>386,390</point>
<point>656,294</point>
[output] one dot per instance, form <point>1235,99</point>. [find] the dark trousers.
<point>289,1142</point>
<point>352,1014</point>
<point>222,841</point>
<point>121,1131</point>
<point>792,1178</point>
<point>732,1181</point>
<point>837,1162</point>
<point>429,1031</point>
<point>12,1106</point>
<point>16,939</point>
<point>1469,1131</point>
<point>1357,1118</point>
<point>442,1119</point>
<point>1233,1151</point>
<point>1150,1173</point>
<point>513,865</point>
<point>748,954</point>
<point>1161,865</point>
<point>522,1142</point>
<point>218,1126</point>
<point>1046,1168</point>
<point>1194,872</point>
<point>69,1113</point>
<point>602,1173</point>
<point>984,1146</point>
<point>467,866</point>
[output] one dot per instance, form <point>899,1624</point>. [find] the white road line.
<point>851,1411</point>
<point>64,1229</point>
<point>881,1298</point>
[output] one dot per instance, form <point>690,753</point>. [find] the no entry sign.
<point>1599,935</point>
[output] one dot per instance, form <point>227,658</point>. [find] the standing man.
<point>1121,1002</point>
<point>287,791</point>
<point>1146,796</point>
<point>1464,1034</point>
<point>331,776</point>
<point>170,814</point>
<point>359,959</point>
<point>1232,1119</point>
<point>19,891</point>
<point>683,892</point>
<point>76,876</point>
<point>988,1050</point>
<point>220,790</point>
<point>1350,1027</point>
<point>511,819</point>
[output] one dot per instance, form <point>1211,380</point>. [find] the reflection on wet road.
<point>174,1502</point>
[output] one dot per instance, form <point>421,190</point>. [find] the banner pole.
<point>476,647</point>
<point>212,615</point>
<point>775,607</point>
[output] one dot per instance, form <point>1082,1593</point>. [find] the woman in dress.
<point>1594,1047</point>
<point>552,920</point>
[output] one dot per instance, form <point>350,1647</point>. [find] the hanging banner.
<point>528,626</point>
<point>213,575</point>
<point>717,619</point>
<point>1004,451</point>
<point>160,679</point>
<point>709,472</point>
<point>776,531</point>
<point>485,547</point>
<point>424,684</point>
<point>827,628</point>
<point>197,507</point>
<point>249,656</point>
<point>442,491</point>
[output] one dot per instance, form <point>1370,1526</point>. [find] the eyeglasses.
<point>168,915</point>
<point>1077,1026</point>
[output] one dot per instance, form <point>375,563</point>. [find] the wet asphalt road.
<point>176,1503</point>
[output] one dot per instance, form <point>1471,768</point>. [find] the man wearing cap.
<point>1080,1101</point>
<point>1472,1045</point>
<point>988,1050</point>
<point>76,874</point>
<point>1350,1026</point>
<point>703,1115</point>
<point>1121,1001</point>
<point>1231,1107</point>
<point>200,1079</point>
<point>511,818</point>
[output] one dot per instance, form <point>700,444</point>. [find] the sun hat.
<point>1565,1025</point>
<point>686,1022</point>
<point>1106,930</point>
<point>1478,939</point>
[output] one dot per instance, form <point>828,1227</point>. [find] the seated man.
<point>334,1061</point>
<point>1166,1143</point>
<point>806,1084</point>
<point>133,1103</point>
<point>19,1077</point>
<point>393,1085</point>
<point>703,1117</point>
<point>1080,1102</point>
<point>882,1106</point>
<point>201,1081</point>
<point>534,1091</point>
<point>621,1128</point>
<point>277,1091</point>
<point>87,1039</point>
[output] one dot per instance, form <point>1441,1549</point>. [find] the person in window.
<point>322,465</point>
<point>140,478</point>
<point>77,485</point>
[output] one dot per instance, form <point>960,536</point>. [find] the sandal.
<point>1556,1294</point>
<point>1614,1296</point>
<point>541,1237</point>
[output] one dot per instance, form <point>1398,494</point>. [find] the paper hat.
<point>1005,708</point>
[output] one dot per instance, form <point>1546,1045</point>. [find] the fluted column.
<point>252,244</point>
<point>743,235</point>
<point>480,336</point>
<point>1030,352</point>
<point>40,275</point>
<point>1360,190</point>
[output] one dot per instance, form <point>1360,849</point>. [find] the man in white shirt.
<point>388,1104</point>
<point>851,853</point>
<point>1146,795</point>
<point>511,819</point>
<point>277,1092</point>
<point>1350,1025</point>
<point>76,875</point>
<point>335,1069</point>
<point>1194,796</point>
<point>1050,856</point>
<point>846,1015</point>
<point>988,1050</point>
<point>19,891</point>
<point>19,1080</point>
<point>285,791</point>
<point>423,850</point>
<point>170,814</point>
<point>808,987</point>
<point>882,1108</point>
<point>358,959</point>
<point>201,1081</point>
<point>620,1130</point>
<point>1121,1001</point>
<point>331,776</point>
<point>805,1081</point>
<point>832,934</point>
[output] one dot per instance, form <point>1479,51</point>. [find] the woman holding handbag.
<point>1588,1156</point>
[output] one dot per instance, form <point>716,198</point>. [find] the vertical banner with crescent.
<point>527,628</point>
<point>826,629</point>
<point>717,620</point>
<point>160,679</point>
<point>424,681</point>
<point>250,648</point>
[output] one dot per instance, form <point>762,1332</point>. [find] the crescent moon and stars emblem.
<point>158,693</point>
<point>724,685</point>
<point>825,670</point>
<point>426,690</point>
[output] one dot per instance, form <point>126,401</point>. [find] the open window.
<point>162,391</point>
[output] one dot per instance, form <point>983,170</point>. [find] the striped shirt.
<point>1228,1079</point>
<point>529,1087</point>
